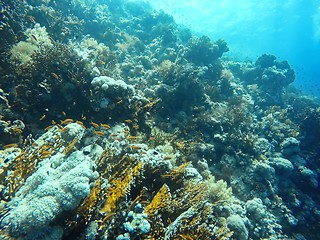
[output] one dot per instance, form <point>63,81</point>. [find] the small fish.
<point>43,117</point>
<point>59,126</point>
<point>128,121</point>
<point>99,133</point>
<point>132,138</point>
<point>105,125</point>
<point>81,124</point>
<point>32,19</point>
<point>95,125</point>
<point>83,117</point>
<point>47,128</point>
<point>54,75</point>
<point>46,153</point>
<point>136,127</point>
<point>34,37</point>
<point>135,147</point>
<point>64,129</point>
<point>66,121</point>
<point>11,145</point>
<point>52,40</point>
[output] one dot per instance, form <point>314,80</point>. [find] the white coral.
<point>49,191</point>
<point>218,190</point>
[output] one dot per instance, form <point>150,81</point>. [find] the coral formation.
<point>203,52</point>
<point>116,123</point>
<point>37,37</point>
<point>106,89</point>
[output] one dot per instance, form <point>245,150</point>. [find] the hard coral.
<point>202,51</point>
<point>274,74</point>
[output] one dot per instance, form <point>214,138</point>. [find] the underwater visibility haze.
<point>289,29</point>
<point>159,120</point>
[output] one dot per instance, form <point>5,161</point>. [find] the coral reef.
<point>106,90</point>
<point>203,52</point>
<point>37,37</point>
<point>116,123</point>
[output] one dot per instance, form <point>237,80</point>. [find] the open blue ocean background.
<point>289,30</point>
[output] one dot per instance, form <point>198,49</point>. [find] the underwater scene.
<point>289,29</point>
<point>118,120</point>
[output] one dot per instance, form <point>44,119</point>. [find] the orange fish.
<point>105,125</point>
<point>95,125</point>
<point>54,75</point>
<point>99,133</point>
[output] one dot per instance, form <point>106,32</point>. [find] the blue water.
<point>288,29</point>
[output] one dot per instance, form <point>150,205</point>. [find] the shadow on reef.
<point>118,123</point>
<point>310,127</point>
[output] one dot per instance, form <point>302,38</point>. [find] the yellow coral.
<point>14,174</point>
<point>177,173</point>
<point>119,188</point>
<point>160,201</point>
<point>190,195</point>
<point>70,147</point>
<point>87,206</point>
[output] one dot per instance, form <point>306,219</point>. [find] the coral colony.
<point>116,123</point>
